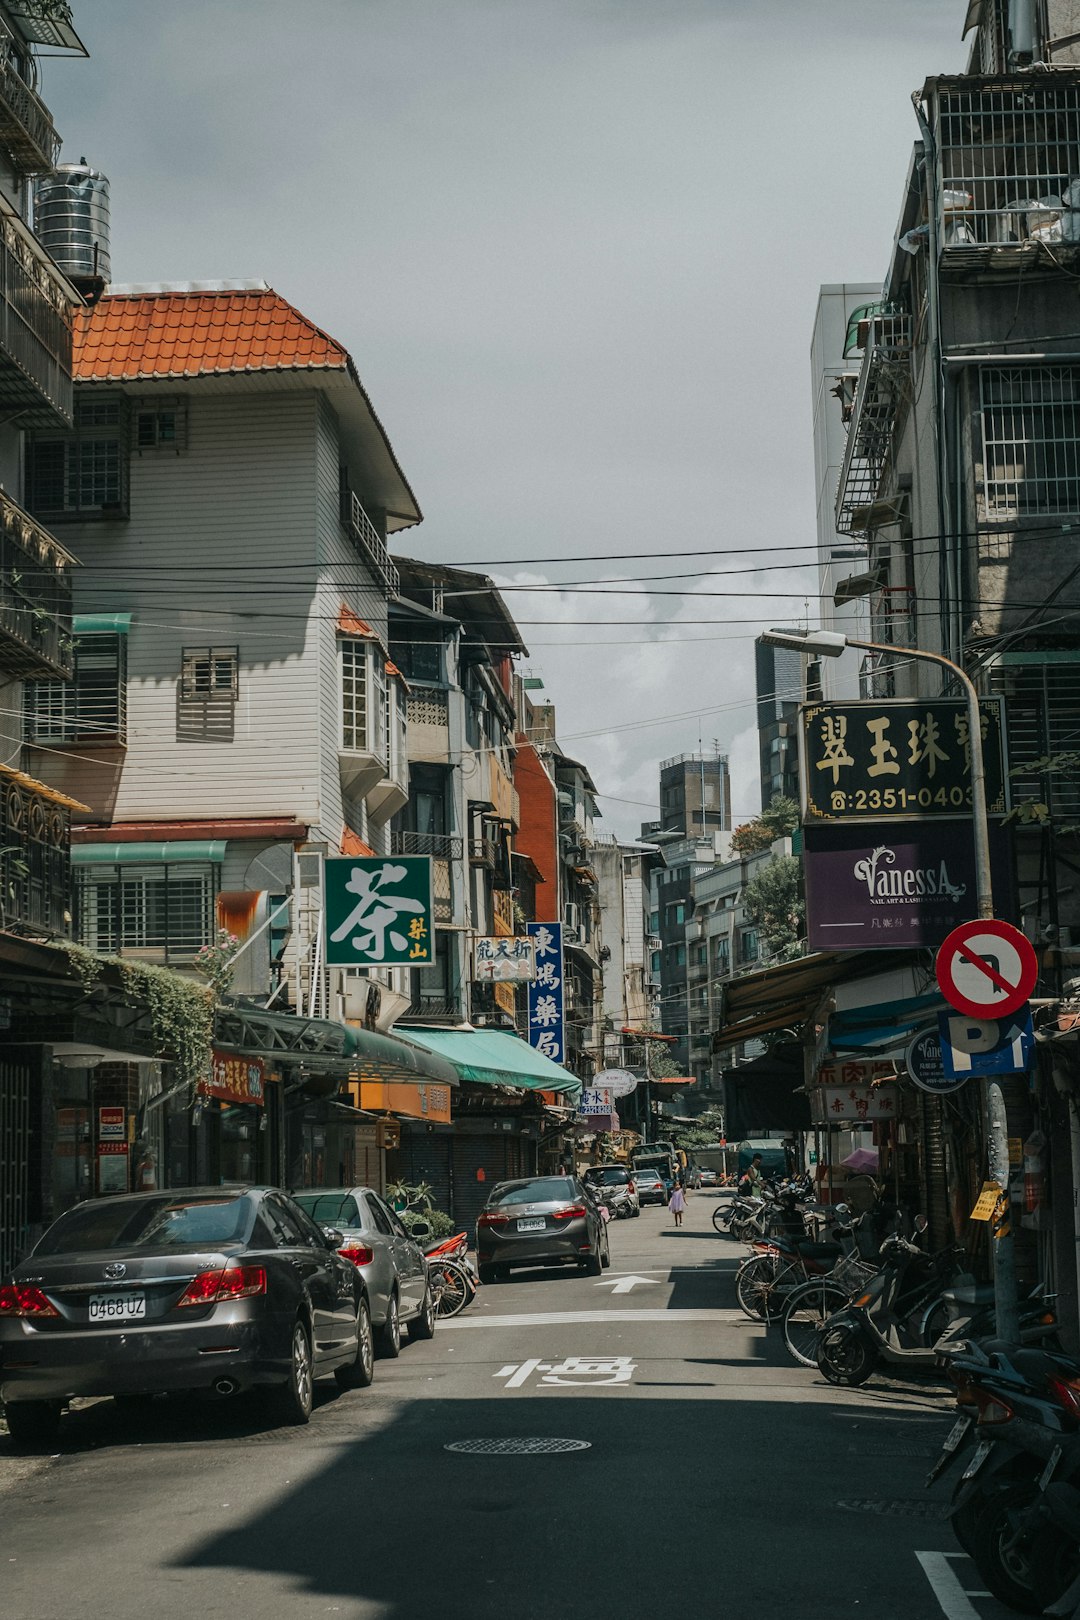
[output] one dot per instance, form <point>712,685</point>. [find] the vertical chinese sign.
<point>547,1027</point>
<point>379,911</point>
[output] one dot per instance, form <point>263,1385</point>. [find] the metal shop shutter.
<point>426,1157</point>
<point>498,1155</point>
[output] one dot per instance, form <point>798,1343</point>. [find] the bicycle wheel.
<point>753,1281</point>
<point>720,1216</point>
<point>806,1310</point>
<point>451,1289</point>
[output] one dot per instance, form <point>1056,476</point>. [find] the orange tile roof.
<point>131,336</point>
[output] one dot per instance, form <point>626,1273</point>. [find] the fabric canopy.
<point>489,1057</point>
<point>148,854</point>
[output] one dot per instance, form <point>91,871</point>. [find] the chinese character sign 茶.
<point>378,911</point>
<point>547,1031</point>
<point>897,759</point>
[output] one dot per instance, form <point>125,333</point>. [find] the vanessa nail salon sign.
<point>880,887</point>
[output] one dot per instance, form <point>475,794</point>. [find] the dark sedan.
<point>540,1222</point>
<point>214,1289</point>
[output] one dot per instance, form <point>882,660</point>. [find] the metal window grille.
<point>83,474</point>
<point>1031,439</point>
<point>166,911</point>
<point>161,425</point>
<point>1042,710</point>
<point>92,707</point>
<point>354,696</point>
<point>207,672</point>
<point>1009,154</point>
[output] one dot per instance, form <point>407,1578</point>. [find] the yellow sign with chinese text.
<point>987,1202</point>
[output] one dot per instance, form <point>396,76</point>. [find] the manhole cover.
<point>520,1446</point>
<point>912,1509</point>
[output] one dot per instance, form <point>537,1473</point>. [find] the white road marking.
<point>625,1285</point>
<point>722,1318</point>
<point>946,1587</point>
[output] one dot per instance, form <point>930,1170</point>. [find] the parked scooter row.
<point>1016,1504</point>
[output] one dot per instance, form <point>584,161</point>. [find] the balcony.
<point>35,332</point>
<point>26,126</point>
<point>35,598</point>
<point>367,539</point>
<point>880,393</point>
<point>36,886</point>
<point>1008,179</point>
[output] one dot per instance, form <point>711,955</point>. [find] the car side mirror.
<point>420,1229</point>
<point>334,1238</point>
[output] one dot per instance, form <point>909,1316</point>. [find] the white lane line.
<point>946,1587</point>
<point>722,1318</point>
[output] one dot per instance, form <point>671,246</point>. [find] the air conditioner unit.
<point>571,936</point>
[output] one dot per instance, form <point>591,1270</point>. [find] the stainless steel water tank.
<point>71,219</point>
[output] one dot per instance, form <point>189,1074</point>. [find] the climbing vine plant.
<point>181,1014</point>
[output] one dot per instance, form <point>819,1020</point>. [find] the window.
<point>1031,439</point>
<point>418,660</point>
<point>161,424</point>
<point>81,475</point>
<point>166,911</point>
<point>748,945</point>
<point>92,706</point>
<point>207,693</point>
<point>363,697</point>
<point>378,1216</point>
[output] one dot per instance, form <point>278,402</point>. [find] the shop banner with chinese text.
<point>547,1028</point>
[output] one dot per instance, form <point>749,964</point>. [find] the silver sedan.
<point>391,1262</point>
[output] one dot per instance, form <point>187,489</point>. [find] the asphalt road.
<point>709,1474</point>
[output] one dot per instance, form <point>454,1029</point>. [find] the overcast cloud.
<point>574,247</point>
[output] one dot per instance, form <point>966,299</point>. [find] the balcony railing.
<point>441,845</point>
<point>892,616</point>
<point>1008,181</point>
<point>35,857</point>
<point>26,126</point>
<point>367,538</point>
<point>35,597</point>
<point>880,392</point>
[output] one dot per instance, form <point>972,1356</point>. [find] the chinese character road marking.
<point>576,1372</point>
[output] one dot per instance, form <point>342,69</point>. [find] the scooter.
<point>452,1273</point>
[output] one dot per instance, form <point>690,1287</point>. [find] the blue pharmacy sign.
<point>547,1028</point>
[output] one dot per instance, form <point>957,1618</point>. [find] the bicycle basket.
<point>852,1274</point>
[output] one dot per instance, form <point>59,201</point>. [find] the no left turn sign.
<point>986,968</point>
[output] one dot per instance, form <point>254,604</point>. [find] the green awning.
<point>489,1057</point>
<point>147,854</point>
<point>96,624</point>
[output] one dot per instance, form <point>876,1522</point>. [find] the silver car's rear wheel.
<point>390,1337</point>
<point>359,1373</point>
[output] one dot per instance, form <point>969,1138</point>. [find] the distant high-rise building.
<point>778,674</point>
<point>695,794</point>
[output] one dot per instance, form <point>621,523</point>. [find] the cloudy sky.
<point>574,247</point>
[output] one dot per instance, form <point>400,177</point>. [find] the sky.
<point>574,247</point>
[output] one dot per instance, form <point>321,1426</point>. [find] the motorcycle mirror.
<point>420,1229</point>
<point>921,1223</point>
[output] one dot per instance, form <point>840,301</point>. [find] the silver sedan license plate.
<point>117,1307</point>
<point>982,1452</point>
<point>532,1226</point>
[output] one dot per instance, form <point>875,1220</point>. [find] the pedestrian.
<point>677,1202</point>
<point>750,1185</point>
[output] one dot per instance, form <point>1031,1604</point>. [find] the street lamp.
<point>830,644</point>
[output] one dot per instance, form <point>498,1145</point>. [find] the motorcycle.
<point>452,1274</point>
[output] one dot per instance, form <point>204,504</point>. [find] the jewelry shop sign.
<point>897,759</point>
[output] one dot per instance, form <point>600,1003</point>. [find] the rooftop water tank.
<point>71,220</point>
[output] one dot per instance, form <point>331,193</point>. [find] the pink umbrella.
<point>863,1159</point>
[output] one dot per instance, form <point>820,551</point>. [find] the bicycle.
<point>808,1307</point>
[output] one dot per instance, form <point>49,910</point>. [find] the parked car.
<point>391,1262</point>
<point>542,1221</point>
<point>614,1175</point>
<point>217,1289</point>
<point>708,1178</point>
<point>651,1187</point>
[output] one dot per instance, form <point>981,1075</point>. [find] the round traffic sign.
<point>926,1066</point>
<point>986,968</point>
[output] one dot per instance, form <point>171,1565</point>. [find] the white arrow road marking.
<point>624,1285</point>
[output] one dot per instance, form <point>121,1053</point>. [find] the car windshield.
<point>329,1209</point>
<point>164,1221</point>
<point>608,1175</point>
<point>544,1191</point>
<point>647,1175</point>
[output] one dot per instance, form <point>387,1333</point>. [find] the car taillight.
<point>358,1254</point>
<point>18,1300</point>
<point>570,1213</point>
<point>489,1218</point>
<point>1066,1391</point>
<point>992,1410</point>
<point>230,1282</point>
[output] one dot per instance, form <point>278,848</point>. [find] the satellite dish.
<point>270,869</point>
<point>620,1082</point>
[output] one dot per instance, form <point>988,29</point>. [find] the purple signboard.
<point>880,887</point>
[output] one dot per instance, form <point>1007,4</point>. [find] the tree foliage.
<point>778,821</point>
<point>773,901</point>
<point>661,1063</point>
<point>1036,812</point>
<point>704,1132</point>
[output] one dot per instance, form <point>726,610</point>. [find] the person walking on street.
<point>677,1202</point>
